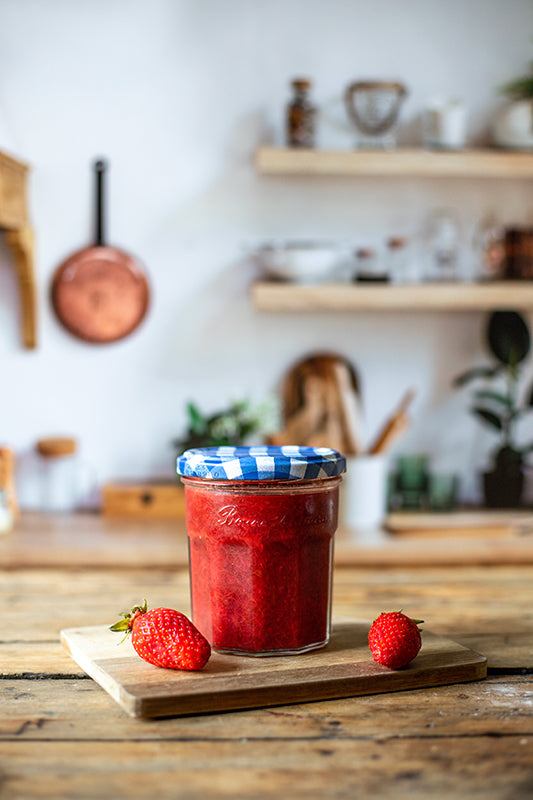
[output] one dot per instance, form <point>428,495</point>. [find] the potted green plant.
<point>499,403</point>
<point>228,427</point>
<point>513,126</point>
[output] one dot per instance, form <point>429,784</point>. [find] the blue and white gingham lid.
<point>288,462</point>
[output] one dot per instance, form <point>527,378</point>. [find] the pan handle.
<point>100,167</point>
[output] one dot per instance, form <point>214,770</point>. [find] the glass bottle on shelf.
<point>301,115</point>
<point>398,266</point>
<point>369,268</point>
<point>489,249</point>
<point>442,243</point>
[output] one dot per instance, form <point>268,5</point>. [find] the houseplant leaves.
<point>475,372</point>
<point>489,417</point>
<point>508,337</point>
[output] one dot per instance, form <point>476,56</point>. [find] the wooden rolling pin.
<point>394,426</point>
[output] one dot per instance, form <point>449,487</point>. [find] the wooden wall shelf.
<point>271,296</point>
<point>403,162</point>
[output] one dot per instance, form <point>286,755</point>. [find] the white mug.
<point>363,498</point>
<point>444,124</point>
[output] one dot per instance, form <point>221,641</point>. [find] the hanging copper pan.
<point>100,294</point>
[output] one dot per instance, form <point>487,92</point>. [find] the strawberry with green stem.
<point>164,637</point>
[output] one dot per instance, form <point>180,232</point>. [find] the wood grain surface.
<point>279,297</point>
<point>62,737</point>
<point>342,669</point>
<point>94,540</point>
<point>406,161</point>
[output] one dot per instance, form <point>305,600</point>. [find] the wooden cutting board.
<point>342,669</point>
<point>484,523</point>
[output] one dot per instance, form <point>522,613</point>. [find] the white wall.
<point>177,94</point>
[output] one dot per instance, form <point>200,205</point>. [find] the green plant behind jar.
<point>229,427</point>
<point>520,88</point>
<point>498,402</point>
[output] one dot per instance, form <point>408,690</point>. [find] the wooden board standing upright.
<point>342,669</point>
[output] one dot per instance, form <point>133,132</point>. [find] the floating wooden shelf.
<point>403,162</point>
<point>271,296</point>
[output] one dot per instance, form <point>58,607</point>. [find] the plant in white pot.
<point>499,403</point>
<point>513,126</point>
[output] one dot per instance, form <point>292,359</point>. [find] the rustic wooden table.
<point>62,736</point>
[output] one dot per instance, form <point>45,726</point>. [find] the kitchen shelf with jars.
<point>400,162</point>
<point>305,276</point>
<point>292,297</point>
<point>431,276</point>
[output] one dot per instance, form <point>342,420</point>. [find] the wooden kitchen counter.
<point>62,736</point>
<point>94,540</point>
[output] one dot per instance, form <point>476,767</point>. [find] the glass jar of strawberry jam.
<point>260,522</point>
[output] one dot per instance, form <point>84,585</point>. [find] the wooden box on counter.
<point>150,499</point>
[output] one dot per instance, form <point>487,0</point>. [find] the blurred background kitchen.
<point>178,96</point>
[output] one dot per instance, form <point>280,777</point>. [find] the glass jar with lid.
<point>369,267</point>
<point>489,249</point>
<point>260,523</point>
<point>374,108</point>
<point>442,241</point>
<point>59,473</point>
<point>400,266</point>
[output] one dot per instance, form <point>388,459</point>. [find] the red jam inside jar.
<point>261,560</point>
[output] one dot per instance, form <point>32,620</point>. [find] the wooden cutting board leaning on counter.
<point>321,407</point>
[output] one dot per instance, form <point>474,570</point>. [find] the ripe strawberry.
<point>394,639</point>
<point>165,637</point>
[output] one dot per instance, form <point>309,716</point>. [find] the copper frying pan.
<point>100,294</point>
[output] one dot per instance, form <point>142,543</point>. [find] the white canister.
<point>363,498</point>
<point>444,124</point>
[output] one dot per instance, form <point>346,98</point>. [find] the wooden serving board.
<point>342,669</point>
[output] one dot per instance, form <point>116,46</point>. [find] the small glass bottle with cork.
<point>301,116</point>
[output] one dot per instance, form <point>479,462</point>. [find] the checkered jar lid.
<point>260,463</point>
